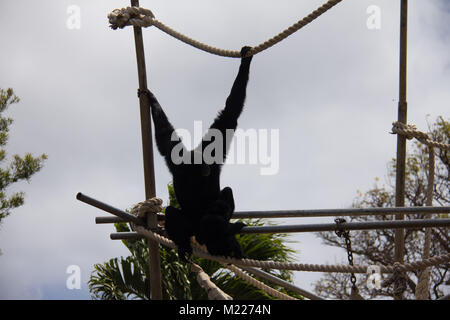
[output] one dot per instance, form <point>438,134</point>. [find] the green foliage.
<point>128,278</point>
<point>20,168</point>
<point>109,281</point>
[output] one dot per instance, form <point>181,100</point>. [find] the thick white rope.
<point>140,17</point>
<point>294,266</point>
<point>258,284</point>
<point>410,131</point>
<point>203,279</point>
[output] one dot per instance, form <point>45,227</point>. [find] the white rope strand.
<point>140,17</point>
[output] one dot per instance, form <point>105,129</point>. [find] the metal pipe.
<point>338,212</point>
<point>112,219</point>
<point>281,213</point>
<point>312,227</point>
<point>104,220</point>
<point>106,207</point>
<point>281,282</point>
<point>125,236</point>
<point>406,224</point>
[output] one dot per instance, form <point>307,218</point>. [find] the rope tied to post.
<point>141,209</point>
<point>410,131</point>
<point>130,16</point>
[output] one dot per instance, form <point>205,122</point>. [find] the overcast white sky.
<point>331,89</point>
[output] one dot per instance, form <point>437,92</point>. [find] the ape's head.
<point>218,234</point>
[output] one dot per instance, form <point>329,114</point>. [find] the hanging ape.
<point>205,209</point>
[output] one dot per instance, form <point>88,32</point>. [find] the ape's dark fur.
<point>205,209</point>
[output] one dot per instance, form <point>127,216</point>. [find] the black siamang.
<point>205,209</point>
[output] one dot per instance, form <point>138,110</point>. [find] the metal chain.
<point>340,232</point>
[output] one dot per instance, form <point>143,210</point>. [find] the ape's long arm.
<point>236,99</point>
<point>164,131</point>
<point>227,118</point>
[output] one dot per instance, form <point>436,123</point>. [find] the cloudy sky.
<point>330,89</point>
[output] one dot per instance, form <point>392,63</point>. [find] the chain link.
<point>340,232</point>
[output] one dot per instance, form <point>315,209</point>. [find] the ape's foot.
<point>145,92</point>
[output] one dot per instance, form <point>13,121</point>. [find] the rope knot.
<point>141,209</point>
<point>407,130</point>
<point>152,205</point>
<point>410,131</point>
<point>136,16</point>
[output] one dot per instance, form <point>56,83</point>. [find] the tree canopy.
<point>19,168</point>
<point>377,246</point>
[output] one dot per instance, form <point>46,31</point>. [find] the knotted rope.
<point>150,206</point>
<point>140,17</point>
<point>410,131</point>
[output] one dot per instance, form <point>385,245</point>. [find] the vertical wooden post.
<point>401,139</point>
<point>149,170</point>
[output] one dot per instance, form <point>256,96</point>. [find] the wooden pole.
<point>401,139</point>
<point>149,170</point>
